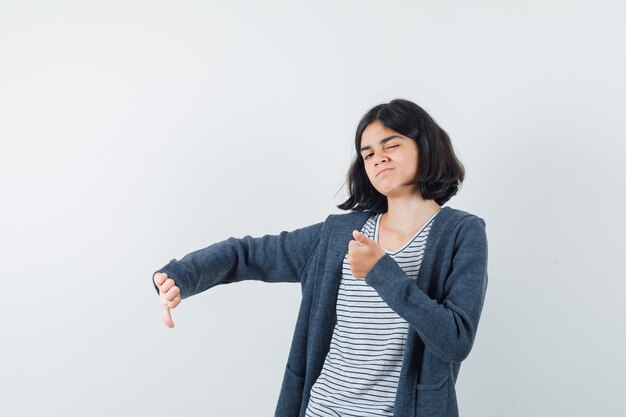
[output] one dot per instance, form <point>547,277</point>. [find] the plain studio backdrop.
<point>135,132</point>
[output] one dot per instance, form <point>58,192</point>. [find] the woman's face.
<point>390,160</point>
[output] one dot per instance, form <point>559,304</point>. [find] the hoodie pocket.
<point>432,399</point>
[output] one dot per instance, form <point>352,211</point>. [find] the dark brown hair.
<point>439,173</point>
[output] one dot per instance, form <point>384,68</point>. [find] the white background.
<point>134,132</point>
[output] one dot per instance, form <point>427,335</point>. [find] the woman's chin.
<point>395,192</point>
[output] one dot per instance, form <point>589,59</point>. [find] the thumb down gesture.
<point>169,296</point>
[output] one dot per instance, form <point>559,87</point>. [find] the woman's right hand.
<point>169,296</point>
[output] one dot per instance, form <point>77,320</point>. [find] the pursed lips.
<point>384,170</point>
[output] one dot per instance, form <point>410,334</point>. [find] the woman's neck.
<point>408,213</point>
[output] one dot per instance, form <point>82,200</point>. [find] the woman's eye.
<point>367,156</point>
<point>392,146</point>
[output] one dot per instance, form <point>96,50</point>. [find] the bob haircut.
<point>439,173</point>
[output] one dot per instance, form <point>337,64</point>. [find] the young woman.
<point>391,292</point>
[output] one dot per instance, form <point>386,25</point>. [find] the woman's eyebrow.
<point>384,140</point>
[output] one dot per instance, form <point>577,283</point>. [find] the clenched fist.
<point>169,296</point>
<point>363,253</point>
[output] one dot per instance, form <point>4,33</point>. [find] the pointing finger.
<point>360,237</point>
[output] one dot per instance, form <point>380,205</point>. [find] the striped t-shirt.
<point>362,368</point>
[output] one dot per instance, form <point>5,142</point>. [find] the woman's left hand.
<point>363,253</point>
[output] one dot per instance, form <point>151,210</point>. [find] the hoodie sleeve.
<point>271,258</point>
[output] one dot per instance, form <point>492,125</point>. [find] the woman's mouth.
<point>383,171</point>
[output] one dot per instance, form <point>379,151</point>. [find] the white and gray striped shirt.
<point>362,368</point>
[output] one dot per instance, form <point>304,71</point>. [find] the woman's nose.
<point>380,159</point>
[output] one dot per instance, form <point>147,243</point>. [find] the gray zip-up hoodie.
<point>442,306</point>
